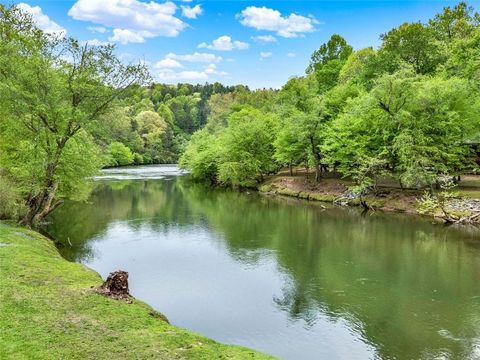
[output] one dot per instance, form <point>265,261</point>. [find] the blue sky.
<point>257,43</point>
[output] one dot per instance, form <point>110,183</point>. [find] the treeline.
<point>152,124</point>
<point>409,110</point>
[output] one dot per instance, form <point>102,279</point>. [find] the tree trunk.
<point>318,171</point>
<point>41,205</point>
<point>317,157</point>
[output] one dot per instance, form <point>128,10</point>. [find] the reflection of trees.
<point>396,280</point>
<point>138,202</point>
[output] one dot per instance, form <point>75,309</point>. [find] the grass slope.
<point>48,311</point>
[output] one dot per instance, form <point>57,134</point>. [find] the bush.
<point>120,154</point>
<point>138,159</point>
<point>12,206</point>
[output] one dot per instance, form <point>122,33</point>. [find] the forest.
<point>408,110</point>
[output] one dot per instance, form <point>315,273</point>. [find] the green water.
<point>282,276</point>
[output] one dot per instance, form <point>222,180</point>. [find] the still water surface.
<point>282,276</point>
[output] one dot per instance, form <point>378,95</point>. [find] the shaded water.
<point>279,275</point>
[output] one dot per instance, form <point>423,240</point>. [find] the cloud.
<point>125,36</point>
<point>212,69</point>
<point>168,64</point>
<point>132,20</point>
<point>265,38</point>
<point>95,42</point>
<point>168,75</point>
<point>41,20</point>
<point>264,55</point>
<point>225,43</point>
<point>191,12</point>
<point>97,29</point>
<point>291,54</point>
<point>263,18</point>
<point>195,57</point>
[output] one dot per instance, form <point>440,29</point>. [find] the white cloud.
<point>195,57</point>
<point>212,69</point>
<point>132,20</point>
<point>169,75</point>
<point>263,18</point>
<point>291,54</point>
<point>191,12</point>
<point>97,29</point>
<point>168,64</point>
<point>94,42</point>
<point>125,36</point>
<point>264,55</point>
<point>41,20</point>
<point>265,38</point>
<point>225,43</point>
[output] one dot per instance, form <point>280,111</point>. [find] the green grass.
<point>48,310</point>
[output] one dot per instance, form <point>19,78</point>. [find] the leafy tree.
<point>201,156</point>
<point>335,49</point>
<point>356,67</point>
<point>291,146</point>
<point>120,155</point>
<point>454,23</point>
<point>414,44</point>
<point>48,102</point>
<point>247,147</point>
<point>415,126</point>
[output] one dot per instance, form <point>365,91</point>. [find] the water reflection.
<point>281,276</point>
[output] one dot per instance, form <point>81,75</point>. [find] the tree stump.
<point>116,285</point>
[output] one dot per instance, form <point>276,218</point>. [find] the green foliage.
<point>201,156</point>
<point>413,44</point>
<point>47,109</point>
<point>247,150</point>
<point>11,202</point>
<point>120,155</point>
<point>335,49</point>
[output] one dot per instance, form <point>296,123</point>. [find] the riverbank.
<point>49,310</point>
<point>391,197</point>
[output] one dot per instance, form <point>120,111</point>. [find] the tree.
<point>55,91</point>
<point>247,147</point>
<point>414,44</point>
<point>290,144</point>
<point>335,49</point>
<point>120,155</point>
<point>201,156</point>
<point>355,68</point>
<point>454,23</point>
<point>411,126</point>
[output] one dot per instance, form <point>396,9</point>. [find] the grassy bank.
<point>49,311</point>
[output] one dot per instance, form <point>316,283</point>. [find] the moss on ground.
<point>48,310</point>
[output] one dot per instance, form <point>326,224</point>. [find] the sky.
<point>257,43</point>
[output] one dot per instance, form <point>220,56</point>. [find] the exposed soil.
<point>390,197</point>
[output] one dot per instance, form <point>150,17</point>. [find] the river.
<point>279,275</point>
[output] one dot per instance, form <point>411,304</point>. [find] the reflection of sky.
<point>188,274</point>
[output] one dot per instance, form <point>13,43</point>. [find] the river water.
<point>283,276</point>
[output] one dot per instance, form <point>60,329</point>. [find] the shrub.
<point>12,206</point>
<point>120,154</point>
